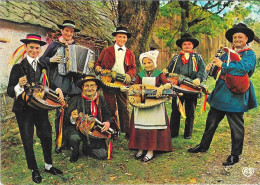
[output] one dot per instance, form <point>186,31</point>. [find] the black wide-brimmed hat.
<point>89,78</point>
<point>123,30</point>
<point>68,23</point>
<point>240,28</point>
<point>33,38</point>
<point>187,37</point>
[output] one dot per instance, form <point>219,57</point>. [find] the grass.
<point>177,167</point>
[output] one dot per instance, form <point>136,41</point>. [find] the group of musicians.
<point>149,129</point>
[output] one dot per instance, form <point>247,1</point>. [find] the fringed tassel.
<point>195,67</point>
<point>203,108</point>
<point>21,52</point>
<point>109,150</point>
<point>59,139</point>
<point>181,108</point>
<point>44,79</point>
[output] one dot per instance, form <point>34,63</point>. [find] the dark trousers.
<point>190,107</point>
<point>236,124</point>
<point>95,148</point>
<point>118,105</point>
<point>26,121</point>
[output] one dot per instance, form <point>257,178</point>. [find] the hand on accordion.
<point>56,59</point>
<point>91,64</point>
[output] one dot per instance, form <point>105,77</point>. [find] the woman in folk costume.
<point>149,128</point>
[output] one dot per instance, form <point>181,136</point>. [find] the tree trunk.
<point>139,17</point>
<point>184,16</point>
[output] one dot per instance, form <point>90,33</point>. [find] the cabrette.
<point>33,38</point>
<point>240,28</point>
<point>187,37</point>
<point>68,23</point>
<point>89,78</point>
<point>123,30</point>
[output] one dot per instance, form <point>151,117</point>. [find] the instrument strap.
<point>175,63</point>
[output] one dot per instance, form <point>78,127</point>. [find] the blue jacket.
<point>222,98</point>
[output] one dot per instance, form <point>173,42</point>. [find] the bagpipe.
<point>112,79</point>
<point>91,126</point>
<point>144,96</point>
<point>236,84</point>
<point>183,84</point>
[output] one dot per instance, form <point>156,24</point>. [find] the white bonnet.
<point>151,55</point>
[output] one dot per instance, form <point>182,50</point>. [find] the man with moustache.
<point>29,72</point>
<point>90,103</point>
<point>121,60</point>
<point>58,79</point>
<point>189,64</point>
<point>224,101</point>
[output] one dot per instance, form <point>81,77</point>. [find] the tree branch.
<point>195,21</point>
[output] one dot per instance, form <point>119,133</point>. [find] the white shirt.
<point>17,89</point>
<point>119,59</point>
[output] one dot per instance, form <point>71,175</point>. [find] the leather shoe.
<point>146,159</point>
<point>232,159</point>
<point>74,159</point>
<point>137,157</point>
<point>54,171</point>
<point>57,150</point>
<point>36,177</point>
<point>197,149</point>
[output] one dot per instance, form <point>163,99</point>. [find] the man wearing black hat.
<point>223,101</point>
<point>66,82</point>
<point>121,60</point>
<point>90,102</point>
<point>191,65</point>
<point>28,72</point>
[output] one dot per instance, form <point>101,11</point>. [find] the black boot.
<point>231,160</point>
<point>197,149</point>
<point>36,177</point>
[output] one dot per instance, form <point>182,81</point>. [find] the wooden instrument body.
<point>182,84</point>
<point>112,79</point>
<point>41,98</point>
<point>143,96</point>
<point>90,126</point>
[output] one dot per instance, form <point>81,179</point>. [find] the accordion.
<point>75,59</point>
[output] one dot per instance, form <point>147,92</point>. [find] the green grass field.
<point>177,167</point>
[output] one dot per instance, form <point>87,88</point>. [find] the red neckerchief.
<point>244,49</point>
<point>94,103</point>
<point>183,59</point>
<point>62,40</point>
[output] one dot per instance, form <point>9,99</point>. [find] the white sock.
<point>149,154</point>
<point>139,153</point>
<point>48,166</point>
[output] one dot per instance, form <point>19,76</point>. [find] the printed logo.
<point>248,172</point>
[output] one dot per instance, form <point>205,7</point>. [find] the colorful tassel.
<point>109,150</point>
<point>203,108</point>
<point>195,67</point>
<point>181,108</point>
<point>59,139</point>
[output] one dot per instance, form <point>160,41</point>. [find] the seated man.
<point>90,103</point>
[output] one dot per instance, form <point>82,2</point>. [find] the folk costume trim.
<point>155,73</point>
